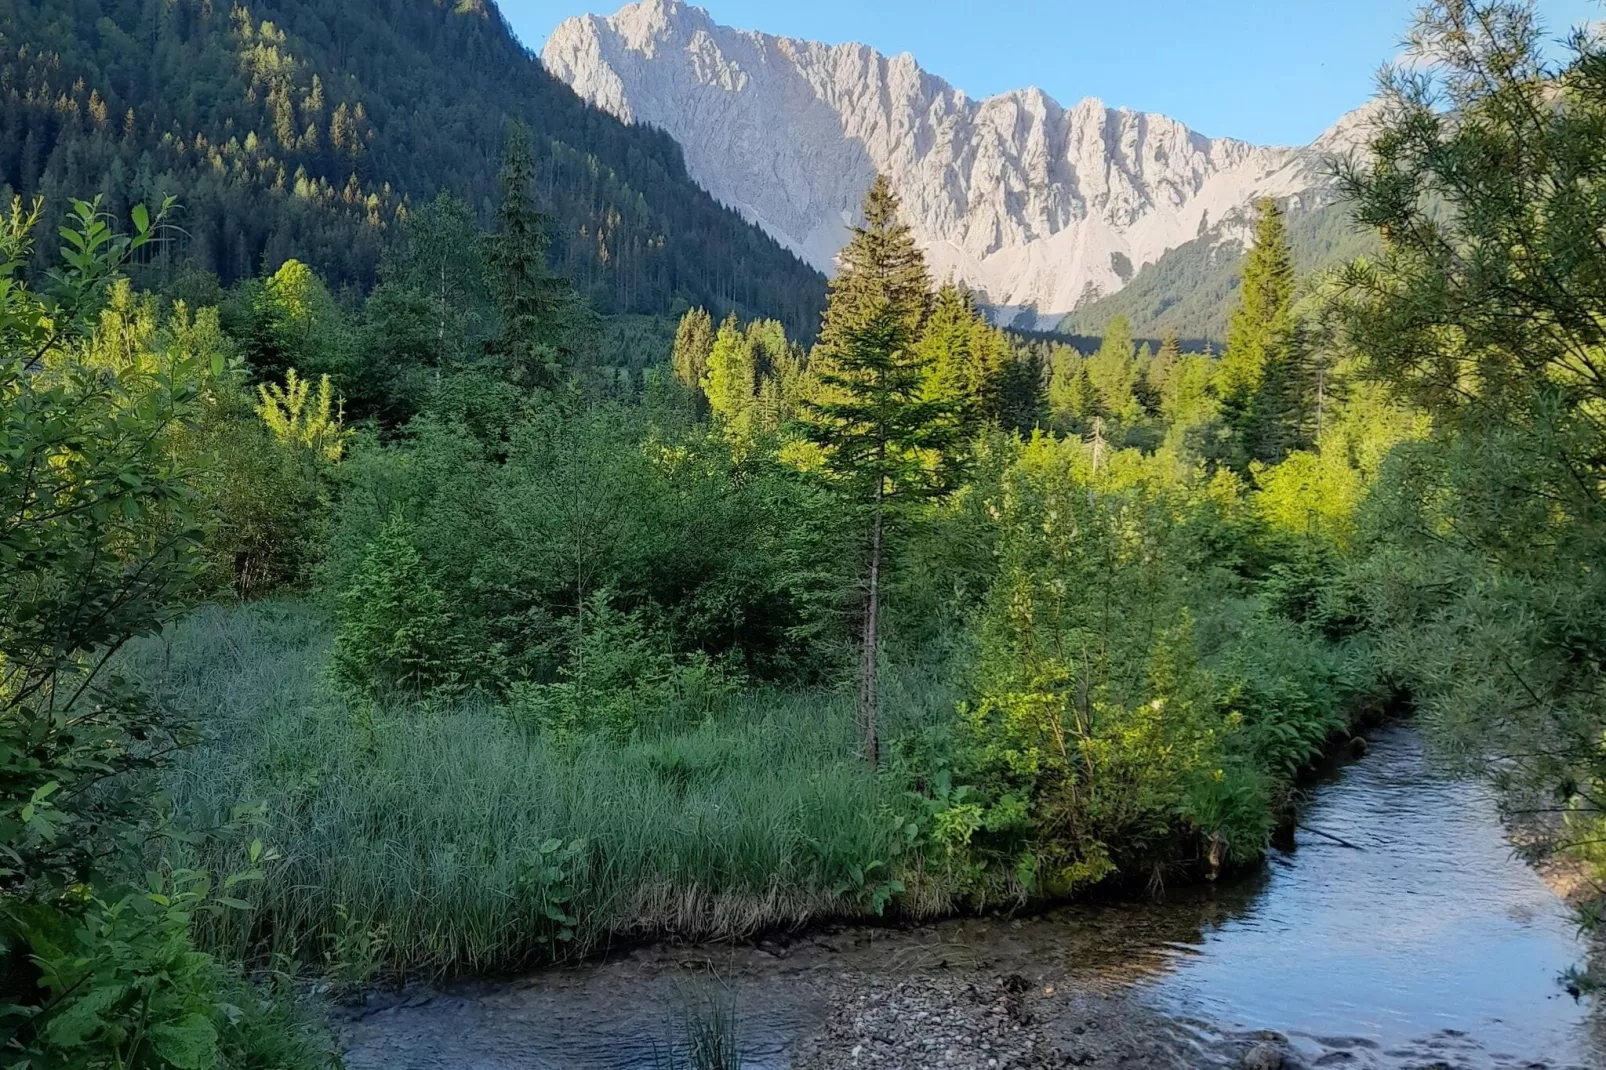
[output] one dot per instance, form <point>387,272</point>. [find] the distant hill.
<point>1192,288</point>
<point>305,127</point>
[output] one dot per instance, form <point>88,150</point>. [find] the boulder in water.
<point>1263,1057</point>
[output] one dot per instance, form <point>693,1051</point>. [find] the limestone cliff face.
<point>1032,204</point>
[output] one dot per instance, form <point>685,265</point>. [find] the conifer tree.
<point>780,369</point>
<point>731,381</point>
<point>1157,373</point>
<point>694,341</point>
<point>884,442</point>
<point>946,351</point>
<point>1253,375</point>
<point>1112,368</point>
<point>973,367</point>
<point>1142,392</point>
<point>1165,361</point>
<point>1024,392</point>
<point>773,355</point>
<point>540,310</point>
<point>992,357</point>
<point>1072,399</point>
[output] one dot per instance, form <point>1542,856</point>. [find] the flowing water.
<point>1425,944</point>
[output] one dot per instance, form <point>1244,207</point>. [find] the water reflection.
<point>1430,944</point>
<point>1431,930</point>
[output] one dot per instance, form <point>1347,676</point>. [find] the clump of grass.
<point>704,1036</point>
<point>448,838</point>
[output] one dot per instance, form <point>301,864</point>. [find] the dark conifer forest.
<point>308,128</point>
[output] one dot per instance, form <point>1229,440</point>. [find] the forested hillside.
<point>1190,290</point>
<point>306,128</point>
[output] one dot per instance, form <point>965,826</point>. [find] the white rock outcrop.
<point>1032,204</point>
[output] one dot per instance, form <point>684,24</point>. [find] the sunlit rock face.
<point>1035,205</point>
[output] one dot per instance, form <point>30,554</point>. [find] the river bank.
<point>1430,945</point>
<point>828,1001</point>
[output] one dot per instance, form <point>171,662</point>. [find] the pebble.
<point>952,1023</point>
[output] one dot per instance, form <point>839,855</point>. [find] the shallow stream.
<point>1425,944</point>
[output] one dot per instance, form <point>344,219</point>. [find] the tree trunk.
<point>1321,398</point>
<point>440,329</point>
<point>868,697</point>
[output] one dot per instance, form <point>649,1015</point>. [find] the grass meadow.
<point>447,838</point>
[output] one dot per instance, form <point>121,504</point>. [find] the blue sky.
<point>1270,71</point>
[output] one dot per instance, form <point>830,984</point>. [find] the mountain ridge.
<point>1036,205</point>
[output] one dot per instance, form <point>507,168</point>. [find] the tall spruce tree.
<point>1142,390</point>
<point>1166,360</point>
<point>1073,401</point>
<point>1024,392</point>
<point>947,352</point>
<point>885,443</point>
<point>780,365</point>
<point>1254,376</point>
<point>694,341</point>
<point>993,358</point>
<point>540,311</point>
<point>1112,368</point>
<point>1151,388</point>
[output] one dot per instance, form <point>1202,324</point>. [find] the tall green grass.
<point>705,1034</point>
<point>444,839</point>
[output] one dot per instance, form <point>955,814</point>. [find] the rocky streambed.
<point>1424,945</point>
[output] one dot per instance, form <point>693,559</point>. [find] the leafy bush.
<point>126,988</point>
<point>395,631</point>
<point>102,542</point>
<point>619,681</point>
<point>1104,735</point>
<point>1292,690</point>
<point>526,527</point>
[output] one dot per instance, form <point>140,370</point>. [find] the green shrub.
<point>619,681</point>
<point>395,632</point>
<point>1109,732</point>
<point>102,542</point>
<point>523,529</point>
<point>126,989</point>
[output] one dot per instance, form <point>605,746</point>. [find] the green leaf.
<point>188,1044</point>
<point>81,1022</point>
<point>142,218</point>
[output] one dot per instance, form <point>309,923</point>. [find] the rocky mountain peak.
<point>1035,205</point>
